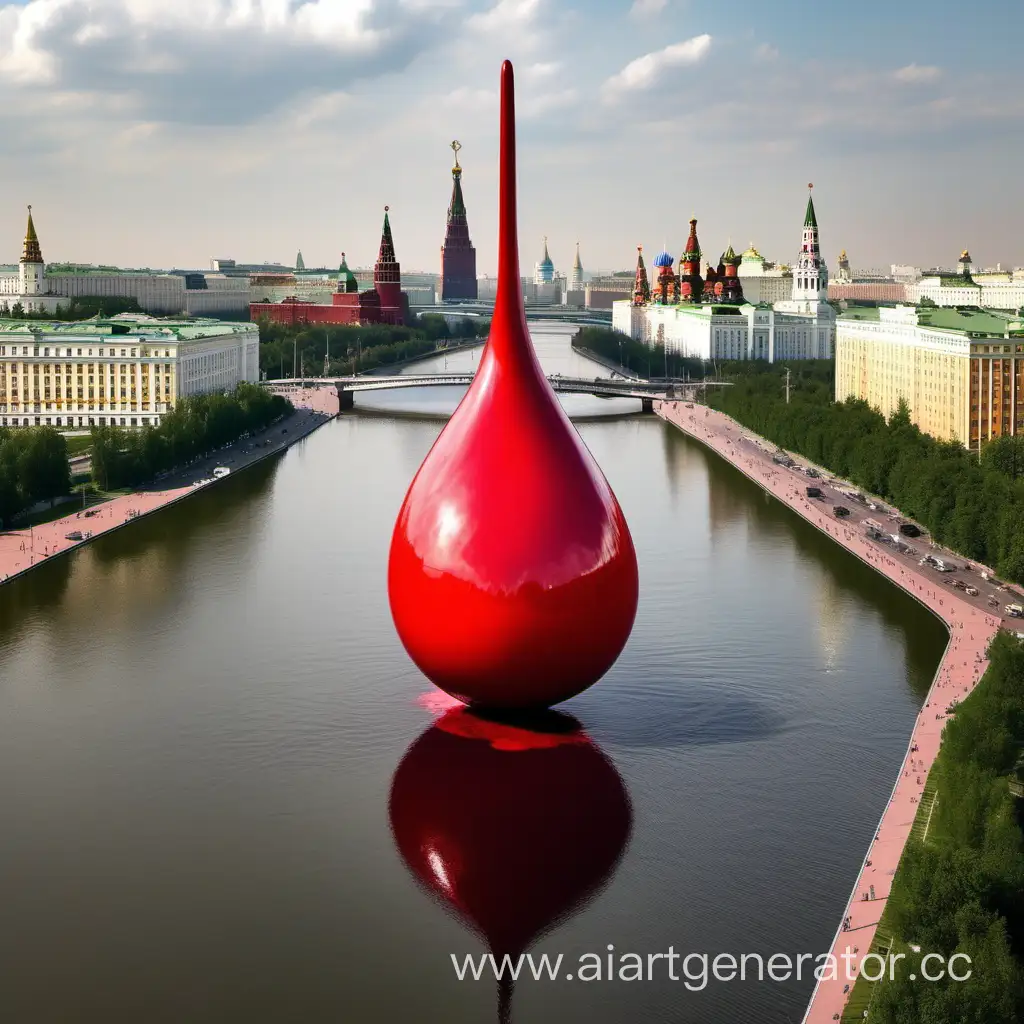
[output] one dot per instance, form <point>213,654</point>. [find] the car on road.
<point>909,530</point>
<point>840,511</point>
<point>973,591</point>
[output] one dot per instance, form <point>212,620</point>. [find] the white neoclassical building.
<point>126,371</point>
<point>800,327</point>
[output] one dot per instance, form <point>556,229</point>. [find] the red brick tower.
<point>387,277</point>
<point>458,257</point>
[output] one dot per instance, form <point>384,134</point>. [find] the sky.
<point>164,133</point>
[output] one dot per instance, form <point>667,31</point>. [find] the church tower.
<point>576,278</point>
<point>810,275</point>
<point>458,257</point>
<point>641,286</point>
<point>387,277</point>
<point>300,263</point>
<point>691,287</point>
<point>31,270</point>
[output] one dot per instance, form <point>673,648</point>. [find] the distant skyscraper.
<point>458,257</point>
<point>300,263</point>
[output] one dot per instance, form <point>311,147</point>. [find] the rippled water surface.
<point>201,719</point>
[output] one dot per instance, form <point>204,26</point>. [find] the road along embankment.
<point>23,549</point>
<point>971,626</point>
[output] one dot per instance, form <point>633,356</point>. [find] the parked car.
<point>840,511</point>
<point>813,492</point>
<point>909,530</point>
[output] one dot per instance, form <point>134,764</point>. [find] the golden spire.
<point>31,253</point>
<point>456,146</point>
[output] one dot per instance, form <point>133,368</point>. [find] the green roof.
<point>972,321</point>
<point>810,221</point>
<point>860,313</point>
<point>965,320</point>
<point>136,327</point>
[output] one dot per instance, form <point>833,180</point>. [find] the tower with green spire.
<point>300,263</point>
<point>458,257</point>
<point>810,275</point>
<point>347,282</point>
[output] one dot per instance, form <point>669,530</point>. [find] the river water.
<point>202,720</point>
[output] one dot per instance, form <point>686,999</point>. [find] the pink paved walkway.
<point>22,549</point>
<point>971,628</point>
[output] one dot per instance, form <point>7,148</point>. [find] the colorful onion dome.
<point>663,259</point>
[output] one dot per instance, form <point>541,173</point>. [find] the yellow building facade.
<point>124,371</point>
<point>960,372</point>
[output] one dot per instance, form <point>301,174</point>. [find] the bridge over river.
<point>603,387</point>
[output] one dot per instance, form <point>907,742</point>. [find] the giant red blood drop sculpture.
<point>512,828</point>
<point>512,575</point>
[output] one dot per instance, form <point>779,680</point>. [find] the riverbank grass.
<point>883,942</point>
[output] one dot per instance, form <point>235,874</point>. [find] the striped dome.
<point>663,259</point>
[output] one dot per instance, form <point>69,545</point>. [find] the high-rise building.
<point>960,371</point>
<point>458,256</point>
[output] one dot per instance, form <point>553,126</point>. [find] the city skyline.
<point>253,130</point>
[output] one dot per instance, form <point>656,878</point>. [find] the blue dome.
<point>663,259</point>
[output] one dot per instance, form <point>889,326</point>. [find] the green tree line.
<point>33,468</point>
<point>197,425</point>
<point>961,889</point>
<point>356,347</point>
<point>974,506</point>
<point>81,308</point>
<point>637,356</point>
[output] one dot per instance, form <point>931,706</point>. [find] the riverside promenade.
<point>971,626</point>
<point>24,548</point>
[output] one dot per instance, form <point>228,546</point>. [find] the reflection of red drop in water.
<point>512,576</point>
<point>513,826</point>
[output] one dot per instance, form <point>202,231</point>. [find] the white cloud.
<point>914,73</point>
<point>541,70</point>
<point>645,8</point>
<point>644,71</point>
<point>505,15</point>
<point>212,61</point>
<point>767,52</point>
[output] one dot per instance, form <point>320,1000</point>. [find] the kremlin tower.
<point>458,257</point>
<point>387,277</point>
<point>810,275</point>
<point>31,270</point>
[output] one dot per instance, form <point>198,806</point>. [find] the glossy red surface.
<point>511,826</point>
<point>512,576</point>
